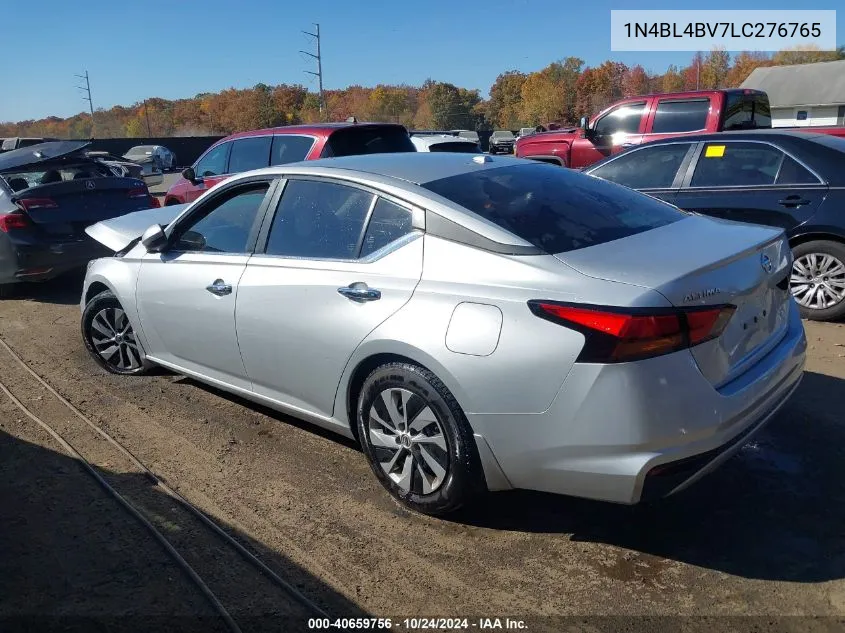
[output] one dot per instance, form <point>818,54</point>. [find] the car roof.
<point>41,152</point>
<point>321,130</point>
<point>735,135</point>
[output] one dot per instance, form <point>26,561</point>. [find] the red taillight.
<point>138,192</point>
<point>616,335</point>
<point>156,204</point>
<point>9,221</point>
<point>31,204</point>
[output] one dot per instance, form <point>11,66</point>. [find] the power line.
<point>87,88</point>
<point>324,109</point>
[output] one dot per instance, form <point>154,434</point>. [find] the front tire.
<point>417,439</point>
<point>110,339</point>
<point>817,280</point>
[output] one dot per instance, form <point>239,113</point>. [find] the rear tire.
<point>110,339</point>
<point>417,439</point>
<point>817,281</point>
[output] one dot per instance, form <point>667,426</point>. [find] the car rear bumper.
<point>38,261</point>
<point>634,431</point>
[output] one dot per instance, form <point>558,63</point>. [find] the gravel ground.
<point>762,536</point>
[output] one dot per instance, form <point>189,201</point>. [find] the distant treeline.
<point>559,93</point>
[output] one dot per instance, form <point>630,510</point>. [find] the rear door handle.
<point>793,201</point>
<point>360,292</point>
<point>219,288</point>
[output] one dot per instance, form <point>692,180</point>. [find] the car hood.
<point>116,234</point>
<point>34,154</point>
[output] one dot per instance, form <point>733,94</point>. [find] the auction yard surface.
<point>764,535</point>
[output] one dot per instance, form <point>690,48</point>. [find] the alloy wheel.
<point>818,281</point>
<point>408,441</point>
<point>114,340</point>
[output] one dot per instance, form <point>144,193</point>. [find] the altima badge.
<point>766,263</point>
<point>704,294</point>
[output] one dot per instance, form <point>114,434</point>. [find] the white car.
<point>445,143</point>
<point>161,157</point>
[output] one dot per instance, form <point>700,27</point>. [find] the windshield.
<point>143,150</point>
<point>503,135</point>
<point>464,147</point>
<point>555,209</point>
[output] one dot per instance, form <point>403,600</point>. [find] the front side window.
<point>249,153</point>
<point>319,220</point>
<point>290,148</point>
<point>737,165</point>
<point>224,225</point>
<point>680,116</point>
<point>555,209</point>
<point>624,118</point>
<point>647,168</point>
<point>214,162</point>
<point>387,224</point>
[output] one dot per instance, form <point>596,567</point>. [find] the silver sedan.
<point>476,323</point>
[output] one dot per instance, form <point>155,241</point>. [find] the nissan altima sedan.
<point>476,323</point>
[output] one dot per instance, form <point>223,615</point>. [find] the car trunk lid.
<point>699,261</point>
<point>65,209</point>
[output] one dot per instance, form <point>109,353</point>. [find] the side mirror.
<point>154,238</point>
<point>585,126</point>
<point>188,174</point>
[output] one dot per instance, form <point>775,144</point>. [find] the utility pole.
<point>87,89</point>
<point>324,110</point>
<point>147,117</point>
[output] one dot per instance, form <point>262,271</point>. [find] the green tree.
<point>715,68</point>
<point>505,104</point>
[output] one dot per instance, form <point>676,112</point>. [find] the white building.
<point>804,94</point>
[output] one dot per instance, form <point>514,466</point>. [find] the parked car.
<point>122,167</point>
<point>637,120</point>
<point>160,156</point>
<point>444,143</point>
<point>501,142</point>
<point>277,146</point>
<point>525,131</point>
<point>789,180</point>
<point>475,322</point>
<point>471,135</point>
<point>18,142</point>
<point>49,193</point>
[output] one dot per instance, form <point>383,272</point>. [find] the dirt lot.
<point>763,536</point>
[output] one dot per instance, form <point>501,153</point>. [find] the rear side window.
<point>737,165</point>
<point>793,173</point>
<point>290,148</point>
<point>369,139</point>
<point>746,112</point>
<point>388,223</point>
<point>319,219</point>
<point>680,116</point>
<point>646,168</point>
<point>249,153</point>
<point>214,162</point>
<point>555,209</point>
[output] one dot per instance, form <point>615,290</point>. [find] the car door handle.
<point>219,288</point>
<point>360,292</point>
<point>793,201</point>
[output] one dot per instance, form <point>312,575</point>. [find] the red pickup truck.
<point>637,120</point>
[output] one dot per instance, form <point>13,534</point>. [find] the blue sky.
<point>177,49</point>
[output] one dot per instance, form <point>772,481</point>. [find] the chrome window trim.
<point>686,185</point>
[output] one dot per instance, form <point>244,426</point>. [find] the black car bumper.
<point>39,261</point>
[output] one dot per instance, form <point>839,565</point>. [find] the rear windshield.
<point>47,174</point>
<point>142,149</point>
<point>555,209</point>
<point>828,140</point>
<point>369,139</point>
<point>456,146</point>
